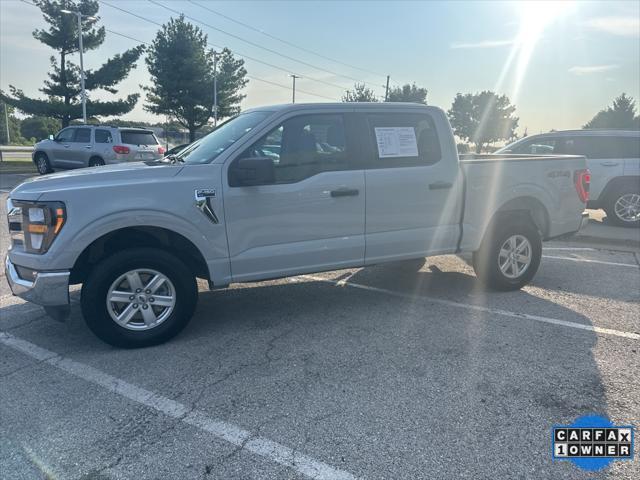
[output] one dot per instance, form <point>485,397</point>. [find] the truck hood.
<point>56,184</point>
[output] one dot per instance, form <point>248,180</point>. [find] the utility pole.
<point>6,120</point>
<point>215,89</point>
<point>294,87</point>
<point>386,90</point>
<point>83,92</point>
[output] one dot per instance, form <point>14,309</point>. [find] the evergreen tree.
<point>621,115</point>
<point>63,86</point>
<point>181,68</point>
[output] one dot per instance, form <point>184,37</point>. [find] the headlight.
<point>35,224</point>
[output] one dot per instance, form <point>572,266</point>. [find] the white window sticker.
<point>396,142</point>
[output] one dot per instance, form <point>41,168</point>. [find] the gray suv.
<point>89,146</point>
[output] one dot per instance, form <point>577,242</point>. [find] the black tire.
<point>485,260</point>
<point>42,163</point>
<point>612,199</point>
<point>96,162</point>
<point>96,286</point>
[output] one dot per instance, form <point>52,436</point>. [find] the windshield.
<point>208,148</point>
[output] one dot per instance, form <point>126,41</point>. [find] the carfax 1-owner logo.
<point>592,442</point>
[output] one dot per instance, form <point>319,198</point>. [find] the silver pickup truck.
<point>280,191</point>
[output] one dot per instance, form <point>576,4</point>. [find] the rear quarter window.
<point>138,138</point>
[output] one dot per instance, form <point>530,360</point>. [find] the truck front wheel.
<point>509,255</point>
<point>138,297</point>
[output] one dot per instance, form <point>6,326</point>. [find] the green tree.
<point>231,79</point>
<point>408,93</point>
<point>39,127</point>
<point>63,86</point>
<point>482,118</point>
<point>14,126</point>
<point>181,68</point>
<point>360,93</point>
<point>621,115</point>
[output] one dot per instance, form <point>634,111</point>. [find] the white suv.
<point>613,157</point>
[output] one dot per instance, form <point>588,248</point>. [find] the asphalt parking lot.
<point>396,371</point>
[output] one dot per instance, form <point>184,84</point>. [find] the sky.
<point>559,62</point>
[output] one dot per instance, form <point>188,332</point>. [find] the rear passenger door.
<point>103,144</point>
<point>311,216</point>
<point>414,193</point>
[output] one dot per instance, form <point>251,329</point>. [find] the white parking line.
<point>479,308</point>
<point>586,260</point>
<point>233,434</point>
<point>584,249</point>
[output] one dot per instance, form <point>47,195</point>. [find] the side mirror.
<point>246,172</point>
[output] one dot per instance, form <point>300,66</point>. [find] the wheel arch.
<point>529,206</point>
<point>140,236</point>
<point>36,153</point>
<point>617,183</point>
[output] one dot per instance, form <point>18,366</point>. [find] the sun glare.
<point>535,16</point>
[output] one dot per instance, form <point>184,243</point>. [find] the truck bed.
<point>501,182</point>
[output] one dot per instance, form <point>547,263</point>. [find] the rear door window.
<point>403,140</point>
<point>603,147</point>
<point>83,135</point>
<point>138,138</point>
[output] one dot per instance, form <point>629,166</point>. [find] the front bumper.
<point>48,289</point>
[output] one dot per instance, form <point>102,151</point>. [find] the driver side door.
<point>60,148</point>
<point>310,216</point>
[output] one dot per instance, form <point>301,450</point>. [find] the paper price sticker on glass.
<point>396,142</point>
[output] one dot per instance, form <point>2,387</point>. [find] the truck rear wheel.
<point>509,256</point>
<point>139,297</point>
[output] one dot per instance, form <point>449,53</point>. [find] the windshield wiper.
<point>174,158</point>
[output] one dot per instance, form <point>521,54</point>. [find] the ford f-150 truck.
<point>281,191</point>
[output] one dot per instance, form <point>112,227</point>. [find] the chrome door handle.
<point>440,185</point>
<point>87,146</point>
<point>345,192</point>
<point>66,146</point>
<point>609,164</point>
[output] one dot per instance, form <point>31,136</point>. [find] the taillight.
<point>582,179</point>
<point>161,150</point>
<point>121,149</point>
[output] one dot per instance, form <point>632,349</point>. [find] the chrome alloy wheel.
<point>627,207</point>
<point>515,256</point>
<point>141,299</point>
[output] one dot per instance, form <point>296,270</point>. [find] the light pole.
<point>293,100</point>
<point>215,89</point>
<point>83,93</point>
